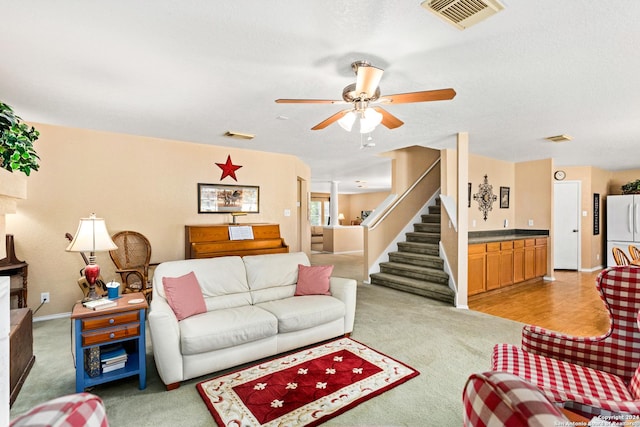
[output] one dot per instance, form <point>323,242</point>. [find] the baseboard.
<point>591,270</point>
<point>51,317</point>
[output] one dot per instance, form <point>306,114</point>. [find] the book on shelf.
<point>114,351</point>
<point>113,367</point>
<point>99,304</point>
<point>114,360</point>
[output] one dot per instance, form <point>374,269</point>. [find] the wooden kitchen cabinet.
<point>506,263</point>
<point>497,264</point>
<point>529,259</point>
<point>493,266</point>
<point>518,261</point>
<point>476,269</point>
<point>541,257</point>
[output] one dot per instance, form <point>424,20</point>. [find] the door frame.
<point>578,213</point>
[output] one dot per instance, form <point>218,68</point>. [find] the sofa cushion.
<point>273,276</point>
<point>220,329</point>
<point>313,280</point>
<point>184,295</point>
<point>218,277</point>
<point>297,313</point>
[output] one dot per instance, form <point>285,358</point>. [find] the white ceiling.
<point>191,70</point>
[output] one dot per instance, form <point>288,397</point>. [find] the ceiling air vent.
<point>239,135</point>
<point>559,138</point>
<point>463,13</point>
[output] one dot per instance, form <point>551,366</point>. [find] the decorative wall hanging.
<point>504,197</point>
<point>485,197</point>
<point>596,214</point>
<point>218,198</point>
<point>228,169</point>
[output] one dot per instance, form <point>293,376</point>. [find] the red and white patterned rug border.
<point>291,359</point>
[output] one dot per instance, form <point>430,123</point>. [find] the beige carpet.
<point>445,344</point>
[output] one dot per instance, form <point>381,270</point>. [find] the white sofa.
<point>252,313</point>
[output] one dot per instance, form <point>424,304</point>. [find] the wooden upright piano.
<point>208,241</point>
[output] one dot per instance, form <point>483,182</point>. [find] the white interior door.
<point>566,225</point>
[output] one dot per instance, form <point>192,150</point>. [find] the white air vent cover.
<point>463,13</point>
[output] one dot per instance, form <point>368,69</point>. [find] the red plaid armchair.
<point>503,399</point>
<point>74,410</point>
<point>592,375</point>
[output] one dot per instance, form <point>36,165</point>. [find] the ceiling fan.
<point>364,93</point>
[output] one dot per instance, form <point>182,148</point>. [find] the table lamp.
<point>340,218</point>
<point>92,236</point>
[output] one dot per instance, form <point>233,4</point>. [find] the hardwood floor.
<point>570,304</point>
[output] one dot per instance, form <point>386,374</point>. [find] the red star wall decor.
<point>228,169</point>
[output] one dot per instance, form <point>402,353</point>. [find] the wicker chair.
<point>132,262</point>
<point>634,252</point>
<point>620,257</point>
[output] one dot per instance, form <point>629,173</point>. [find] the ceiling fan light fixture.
<point>369,120</point>
<point>346,122</point>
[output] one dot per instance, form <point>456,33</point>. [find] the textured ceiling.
<point>191,70</point>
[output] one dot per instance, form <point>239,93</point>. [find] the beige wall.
<point>352,204</point>
<point>364,202</point>
<point>136,183</point>
<point>592,180</point>
<point>499,174</point>
<point>533,193</point>
<point>619,178</point>
<point>408,162</point>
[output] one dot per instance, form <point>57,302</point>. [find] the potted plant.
<point>16,143</point>
<point>632,187</point>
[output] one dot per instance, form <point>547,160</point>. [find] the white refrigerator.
<point>623,224</point>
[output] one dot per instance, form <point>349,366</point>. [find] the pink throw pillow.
<point>184,295</point>
<point>313,280</point>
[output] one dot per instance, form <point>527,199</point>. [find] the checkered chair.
<point>503,399</point>
<point>74,410</point>
<point>593,375</point>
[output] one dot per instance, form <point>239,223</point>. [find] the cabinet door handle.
<point>112,321</point>
<point>112,335</point>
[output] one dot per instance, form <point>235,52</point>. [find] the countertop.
<point>504,235</point>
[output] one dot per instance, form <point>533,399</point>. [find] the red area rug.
<point>305,388</point>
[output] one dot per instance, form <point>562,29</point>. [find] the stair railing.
<point>378,239</point>
<point>387,210</point>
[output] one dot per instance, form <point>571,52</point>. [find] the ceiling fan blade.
<point>424,96</point>
<point>367,80</point>
<point>388,119</point>
<point>309,101</point>
<point>337,116</point>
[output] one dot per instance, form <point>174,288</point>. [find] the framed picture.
<point>504,197</point>
<point>220,198</point>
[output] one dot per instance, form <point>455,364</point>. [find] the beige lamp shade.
<point>341,216</point>
<point>91,236</point>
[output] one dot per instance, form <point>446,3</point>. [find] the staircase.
<point>416,267</point>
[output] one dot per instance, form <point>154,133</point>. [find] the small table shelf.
<point>123,324</point>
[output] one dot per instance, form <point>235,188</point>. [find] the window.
<point>319,211</point>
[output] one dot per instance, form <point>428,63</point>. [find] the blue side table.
<point>94,329</point>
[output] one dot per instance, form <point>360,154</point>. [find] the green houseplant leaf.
<point>17,152</point>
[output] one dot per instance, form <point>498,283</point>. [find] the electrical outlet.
<point>44,297</point>
<point>530,223</point>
